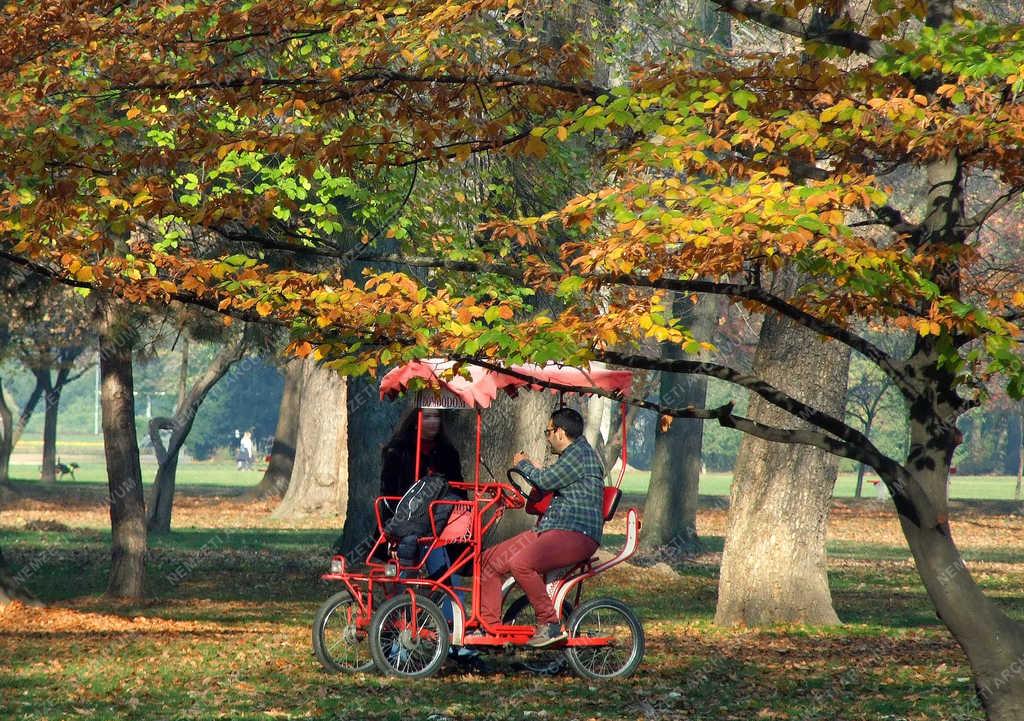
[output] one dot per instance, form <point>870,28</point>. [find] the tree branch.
<point>767,391</point>
<point>497,80</point>
<point>892,368</point>
<point>760,14</point>
<point>978,219</point>
<point>210,304</point>
<point>911,501</point>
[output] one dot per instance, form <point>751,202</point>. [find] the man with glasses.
<point>568,532</point>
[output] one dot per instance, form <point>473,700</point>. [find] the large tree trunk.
<point>6,436</point>
<point>993,643</point>
<point>11,588</point>
<point>774,564</point>
<point>120,444</point>
<point>370,423</point>
<point>282,452</point>
<point>319,483</point>
<point>670,511</point>
<point>593,428</point>
<point>51,413</point>
<point>162,499</point>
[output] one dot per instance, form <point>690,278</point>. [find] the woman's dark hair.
<point>404,436</point>
<point>569,421</point>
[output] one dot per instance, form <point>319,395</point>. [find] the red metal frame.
<point>384,579</point>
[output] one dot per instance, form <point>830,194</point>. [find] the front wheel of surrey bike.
<point>339,644</point>
<point>409,637</point>
<point>605,618</point>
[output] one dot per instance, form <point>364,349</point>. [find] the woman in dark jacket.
<point>437,454</point>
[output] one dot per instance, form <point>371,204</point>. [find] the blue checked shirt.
<point>577,479</point>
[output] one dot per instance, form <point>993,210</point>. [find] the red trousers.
<point>528,556</point>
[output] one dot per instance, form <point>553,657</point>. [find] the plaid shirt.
<point>577,479</point>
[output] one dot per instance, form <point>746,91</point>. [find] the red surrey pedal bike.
<point>390,616</point>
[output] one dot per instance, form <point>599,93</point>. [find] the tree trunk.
<point>319,483</point>
<point>993,643</point>
<point>774,565</point>
<point>162,499</point>
<point>121,447</point>
<point>860,481</point>
<point>10,586</point>
<point>26,413</point>
<point>6,436</point>
<point>1011,459</point>
<point>1020,457</point>
<point>670,511</point>
<point>593,426</point>
<point>370,423</point>
<point>282,452</point>
<point>51,412</point>
<point>183,373</point>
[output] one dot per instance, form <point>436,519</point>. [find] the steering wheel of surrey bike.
<point>509,475</point>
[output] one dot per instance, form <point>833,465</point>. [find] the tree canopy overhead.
<point>164,150</point>
<point>251,156</point>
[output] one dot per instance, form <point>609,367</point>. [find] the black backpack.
<point>412,514</point>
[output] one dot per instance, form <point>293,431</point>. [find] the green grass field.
<point>223,473</point>
<point>225,633</point>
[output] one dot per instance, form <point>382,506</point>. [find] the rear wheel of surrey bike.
<point>520,613</point>
<point>605,618</point>
<point>409,638</point>
<point>339,644</point>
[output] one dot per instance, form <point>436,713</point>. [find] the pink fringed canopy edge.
<point>481,388</point>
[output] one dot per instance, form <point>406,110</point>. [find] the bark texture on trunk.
<point>282,453</point>
<point>319,483</point>
<point>993,643</point>
<point>161,501</point>
<point>670,511</point>
<point>121,447</point>
<point>11,588</point>
<point>26,413</point>
<point>774,565</point>
<point>509,425</point>
<point>51,411</point>
<point>370,424</point>
<point>6,436</point>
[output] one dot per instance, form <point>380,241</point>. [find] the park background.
<point>360,184</point>
<point>988,462</point>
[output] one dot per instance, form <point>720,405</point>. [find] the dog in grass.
<point>65,469</point>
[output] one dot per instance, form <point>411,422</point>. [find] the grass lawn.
<point>223,473</point>
<point>225,630</point>
<point>961,487</point>
<point>200,473</point>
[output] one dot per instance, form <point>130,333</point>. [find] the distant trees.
<point>47,332</point>
<point>158,518</point>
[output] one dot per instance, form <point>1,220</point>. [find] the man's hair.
<point>569,421</point>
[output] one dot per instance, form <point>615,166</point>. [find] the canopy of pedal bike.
<point>444,384</point>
